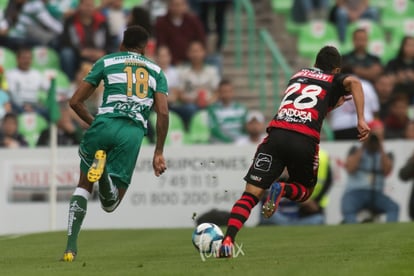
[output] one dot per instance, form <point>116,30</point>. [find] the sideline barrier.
<point>198,179</point>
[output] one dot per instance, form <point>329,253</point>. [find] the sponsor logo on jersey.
<point>294,116</point>
<point>318,75</point>
<point>134,62</point>
<point>130,108</point>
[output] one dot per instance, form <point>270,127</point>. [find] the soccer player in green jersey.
<point>110,147</point>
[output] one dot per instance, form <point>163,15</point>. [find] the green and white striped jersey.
<point>130,81</point>
<point>58,7</point>
<point>227,123</point>
<point>34,13</point>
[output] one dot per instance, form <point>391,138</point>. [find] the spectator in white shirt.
<point>255,128</point>
<point>163,58</point>
<point>198,83</point>
<point>25,84</point>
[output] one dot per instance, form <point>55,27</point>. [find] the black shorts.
<point>284,148</point>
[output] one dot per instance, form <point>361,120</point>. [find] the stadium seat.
<point>397,34</point>
<point>292,27</point>
<point>129,4</point>
<point>3,4</point>
<point>407,26</point>
<point>176,131</point>
<point>45,58</point>
<point>62,83</point>
<point>395,38</point>
<point>376,37</point>
<point>282,7</point>
<point>396,13</point>
<point>31,126</point>
<point>62,86</point>
<point>373,28</point>
<point>199,130</point>
<point>389,54</point>
<point>7,58</point>
<point>313,35</point>
<point>379,4</point>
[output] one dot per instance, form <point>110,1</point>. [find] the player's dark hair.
<point>328,59</point>
<point>140,16</point>
<point>135,37</point>
<point>399,95</point>
<point>10,116</point>
<point>224,82</point>
<point>196,42</point>
<point>404,41</point>
<point>347,69</point>
<point>358,30</point>
<point>23,49</point>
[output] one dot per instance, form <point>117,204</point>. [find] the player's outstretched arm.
<point>353,85</point>
<point>161,108</point>
<point>77,102</point>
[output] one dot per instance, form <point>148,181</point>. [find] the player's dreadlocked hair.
<point>328,59</point>
<point>135,37</point>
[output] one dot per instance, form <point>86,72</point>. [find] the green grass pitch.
<point>365,249</point>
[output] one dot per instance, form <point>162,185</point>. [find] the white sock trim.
<point>82,192</point>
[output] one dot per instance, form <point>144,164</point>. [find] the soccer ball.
<point>207,237</point>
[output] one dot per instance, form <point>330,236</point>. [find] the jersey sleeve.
<point>95,76</point>
<point>162,85</point>
<point>338,89</point>
<point>339,84</point>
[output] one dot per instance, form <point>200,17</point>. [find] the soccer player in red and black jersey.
<point>293,140</point>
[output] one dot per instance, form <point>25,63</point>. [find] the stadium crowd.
<point>61,39</point>
<point>40,39</point>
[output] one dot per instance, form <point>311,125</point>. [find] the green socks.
<point>77,212</point>
<point>108,193</point>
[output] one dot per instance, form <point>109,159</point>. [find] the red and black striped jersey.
<point>310,95</point>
